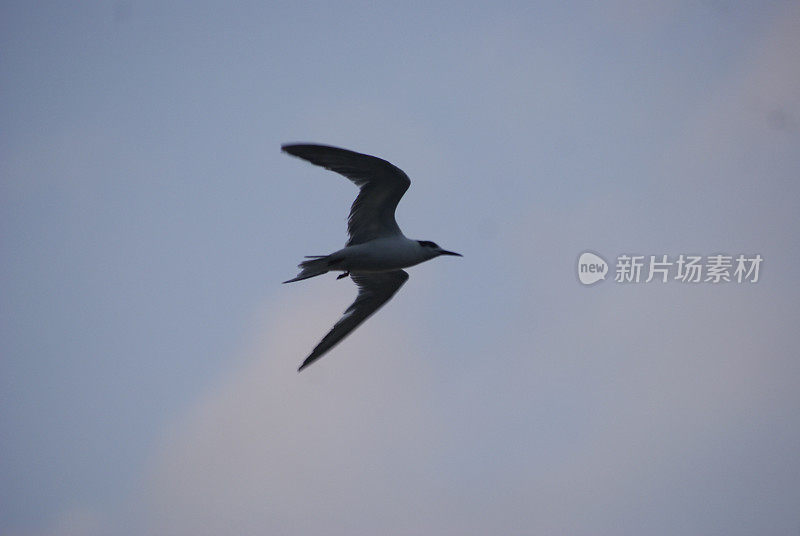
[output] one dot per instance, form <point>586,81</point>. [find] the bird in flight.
<point>377,251</point>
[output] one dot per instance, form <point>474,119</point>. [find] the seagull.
<point>377,251</point>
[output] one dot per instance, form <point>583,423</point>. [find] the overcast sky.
<point>148,378</point>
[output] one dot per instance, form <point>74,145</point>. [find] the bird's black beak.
<point>445,252</point>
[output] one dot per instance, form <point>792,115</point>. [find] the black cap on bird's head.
<point>435,249</point>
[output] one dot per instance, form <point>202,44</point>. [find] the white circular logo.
<point>591,268</point>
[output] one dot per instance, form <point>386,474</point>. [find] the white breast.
<point>382,254</point>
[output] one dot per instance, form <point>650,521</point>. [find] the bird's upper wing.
<point>382,185</point>
<point>374,289</point>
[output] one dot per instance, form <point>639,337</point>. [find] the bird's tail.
<point>314,266</point>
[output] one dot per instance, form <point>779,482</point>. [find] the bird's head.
<point>433,250</point>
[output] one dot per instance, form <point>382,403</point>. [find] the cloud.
<point>613,409</point>
<point>621,409</point>
<point>274,451</point>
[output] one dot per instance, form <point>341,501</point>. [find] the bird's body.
<point>377,251</point>
<point>381,255</point>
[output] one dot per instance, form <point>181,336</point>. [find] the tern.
<point>377,251</point>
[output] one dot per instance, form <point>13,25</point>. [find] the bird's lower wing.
<point>374,289</point>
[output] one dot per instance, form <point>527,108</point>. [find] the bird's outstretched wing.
<point>382,185</point>
<point>374,289</point>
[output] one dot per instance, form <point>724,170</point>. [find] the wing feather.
<point>374,290</point>
<point>382,185</point>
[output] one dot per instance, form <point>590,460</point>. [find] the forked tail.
<point>314,266</point>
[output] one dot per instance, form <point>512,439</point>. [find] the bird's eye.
<point>427,244</point>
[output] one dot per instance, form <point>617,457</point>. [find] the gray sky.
<point>148,374</point>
